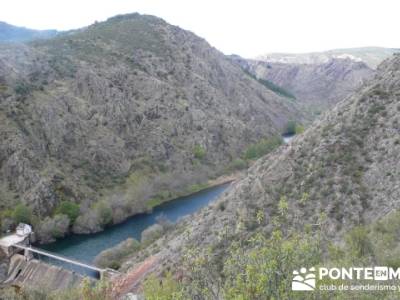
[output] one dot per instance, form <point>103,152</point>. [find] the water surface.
<point>287,138</point>
<point>85,247</point>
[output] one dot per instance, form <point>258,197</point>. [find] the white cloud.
<point>247,27</point>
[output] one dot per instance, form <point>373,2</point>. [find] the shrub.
<point>299,129</point>
<point>251,152</point>
<point>22,88</point>
<point>87,223</point>
<point>276,89</point>
<point>166,288</point>
<point>101,290</point>
<point>265,269</point>
<point>262,270</point>
<point>151,233</point>
<point>22,214</point>
<point>69,209</point>
<point>290,128</point>
<point>113,257</point>
<point>221,206</point>
<point>53,228</point>
<point>271,86</point>
<point>263,147</point>
<point>163,221</point>
<point>104,212</point>
<point>238,164</point>
<point>358,242</point>
<point>199,152</point>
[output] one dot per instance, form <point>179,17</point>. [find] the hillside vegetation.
<point>327,198</point>
<point>112,119</point>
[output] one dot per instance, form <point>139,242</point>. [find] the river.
<point>85,247</point>
<point>287,138</point>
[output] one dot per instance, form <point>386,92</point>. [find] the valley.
<point>179,172</point>
<point>103,126</point>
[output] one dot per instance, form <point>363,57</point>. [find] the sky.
<point>245,27</point>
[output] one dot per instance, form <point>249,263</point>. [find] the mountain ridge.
<point>317,86</point>
<point>14,34</point>
<point>372,56</point>
<point>122,115</point>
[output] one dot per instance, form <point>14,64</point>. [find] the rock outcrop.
<point>371,56</point>
<point>345,167</point>
<point>316,86</point>
<point>122,112</point>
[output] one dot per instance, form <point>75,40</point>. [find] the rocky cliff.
<point>121,115</point>
<point>371,56</point>
<point>316,86</point>
<point>341,172</point>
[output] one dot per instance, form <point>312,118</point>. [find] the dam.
<point>25,269</point>
<point>68,261</point>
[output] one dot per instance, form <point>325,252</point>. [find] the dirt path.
<point>131,281</point>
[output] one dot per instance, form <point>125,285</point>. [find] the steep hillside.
<point>371,56</point>
<point>342,172</point>
<point>10,33</point>
<point>316,86</point>
<point>120,116</point>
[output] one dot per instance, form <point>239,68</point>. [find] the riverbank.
<point>147,208</point>
<point>86,247</point>
<point>195,188</point>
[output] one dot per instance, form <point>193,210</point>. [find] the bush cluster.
<point>262,147</point>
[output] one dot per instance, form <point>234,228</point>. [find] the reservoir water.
<point>85,247</point>
<point>287,138</point>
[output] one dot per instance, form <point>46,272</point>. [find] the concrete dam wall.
<point>37,274</point>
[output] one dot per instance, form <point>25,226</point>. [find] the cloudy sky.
<point>248,28</point>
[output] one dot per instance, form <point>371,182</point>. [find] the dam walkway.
<point>58,257</point>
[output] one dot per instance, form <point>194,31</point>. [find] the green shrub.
<point>104,212</point>
<point>69,209</point>
<point>22,88</point>
<point>22,214</point>
<point>358,242</point>
<point>151,234</point>
<point>263,147</point>
<point>199,152</point>
<point>238,164</point>
<point>271,86</point>
<point>262,270</point>
<point>276,88</point>
<point>251,152</point>
<point>299,129</point>
<point>113,257</point>
<point>290,128</point>
<point>52,228</point>
<point>166,288</point>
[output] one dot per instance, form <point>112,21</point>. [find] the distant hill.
<point>11,33</point>
<point>372,56</point>
<point>317,86</point>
